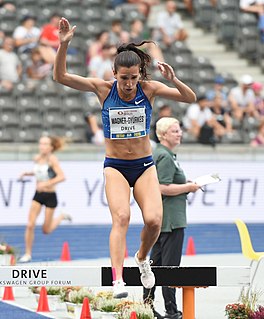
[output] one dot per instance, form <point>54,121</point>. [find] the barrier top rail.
<point>91,276</point>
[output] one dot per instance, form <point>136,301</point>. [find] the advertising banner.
<point>239,194</point>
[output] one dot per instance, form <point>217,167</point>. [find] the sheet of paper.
<point>207,179</point>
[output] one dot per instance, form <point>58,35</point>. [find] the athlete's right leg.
<point>30,229</point>
<point>118,198</point>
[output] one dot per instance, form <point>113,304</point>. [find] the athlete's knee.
<point>121,218</point>
<point>31,226</point>
<point>46,230</point>
<point>154,223</point>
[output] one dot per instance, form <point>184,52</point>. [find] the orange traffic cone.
<point>86,312</point>
<point>8,294</point>
<point>133,315</point>
<point>43,304</point>
<point>65,254</point>
<point>190,249</point>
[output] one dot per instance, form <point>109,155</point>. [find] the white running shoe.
<point>67,217</point>
<point>25,259</point>
<point>119,290</point>
<point>147,276</point>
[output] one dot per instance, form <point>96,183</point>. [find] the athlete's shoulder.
<point>150,87</point>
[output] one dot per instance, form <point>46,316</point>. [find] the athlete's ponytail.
<point>130,55</point>
<point>57,142</point>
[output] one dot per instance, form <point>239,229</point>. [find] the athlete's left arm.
<point>59,175</point>
<point>181,92</point>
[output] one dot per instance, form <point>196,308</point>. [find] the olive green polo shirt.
<point>170,172</point>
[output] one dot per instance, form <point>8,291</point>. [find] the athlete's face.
<point>127,79</point>
<point>173,135</point>
<point>45,146</point>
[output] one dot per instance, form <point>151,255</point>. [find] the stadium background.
<point>58,110</point>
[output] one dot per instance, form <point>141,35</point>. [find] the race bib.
<point>127,123</point>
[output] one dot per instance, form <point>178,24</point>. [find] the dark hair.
<point>130,55</point>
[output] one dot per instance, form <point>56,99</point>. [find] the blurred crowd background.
<point>228,110</point>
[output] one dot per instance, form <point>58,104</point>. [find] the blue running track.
<point>91,241</point>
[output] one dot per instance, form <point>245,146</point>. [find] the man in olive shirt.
<point>167,251</point>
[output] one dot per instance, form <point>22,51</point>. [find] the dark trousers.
<point>167,251</point>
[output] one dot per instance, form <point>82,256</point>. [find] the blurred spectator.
<point>2,36</point>
<point>49,38</point>
<point>218,89</point>
<point>95,48</point>
<point>117,35</point>
<point>50,32</point>
<point>241,99</point>
<point>218,108</point>
<point>26,35</point>
<point>256,7</point>
<point>169,25</point>
<point>143,6</point>
<point>137,34</point>
<point>10,65</point>
<point>101,66</point>
<point>94,133</point>
<point>259,99</point>
<point>252,6</point>
<point>259,139</point>
<point>8,5</point>
<point>37,69</point>
<point>164,111</point>
<point>201,123</point>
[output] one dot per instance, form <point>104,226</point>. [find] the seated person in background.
<point>201,123</point>
<point>256,7</point>
<point>241,99</point>
<point>10,66</point>
<point>94,133</point>
<point>218,89</point>
<point>143,6</point>
<point>49,38</point>
<point>259,98</point>
<point>259,139</point>
<point>2,36</point>
<point>221,114</point>
<point>50,32</point>
<point>37,69</point>
<point>164,111</point>
<point>96,46</point>
<point>252,6</point>
<point>8,5</point>
<point>101,66</point>
<point>117,34</point>
<point>137,34</point>
<point>26,35</point>
<point>169,25</point>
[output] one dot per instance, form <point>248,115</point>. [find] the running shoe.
<point>147,276</point>
<point>176,315</point>
<point>67,217</point>
<point>119,290</point>
<point>25,259</point>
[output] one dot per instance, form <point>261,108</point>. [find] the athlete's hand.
<point>65,30</point>
<point>166,70</point>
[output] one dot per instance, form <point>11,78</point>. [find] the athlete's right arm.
<point>74,81</point>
